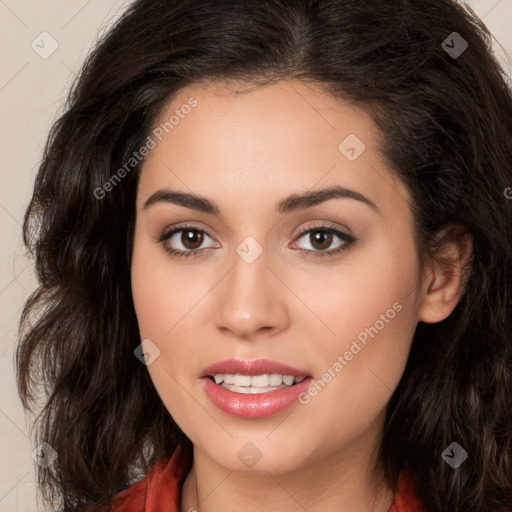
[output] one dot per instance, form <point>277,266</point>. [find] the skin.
<point>246,152</point>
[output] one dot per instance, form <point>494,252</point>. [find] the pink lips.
<point>253,406</point>
<point>255,367</point>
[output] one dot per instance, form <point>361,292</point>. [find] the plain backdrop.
<point>33,85</point>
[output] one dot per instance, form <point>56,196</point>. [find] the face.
<point>328,286</point>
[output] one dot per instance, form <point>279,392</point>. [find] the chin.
<point>258,454</point>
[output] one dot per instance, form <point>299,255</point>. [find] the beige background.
<point>32,90</point>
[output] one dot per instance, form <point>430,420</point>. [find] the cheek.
<point>372,310</point>
<point>162,300</point>
<point>168,304</point>
<point>377,278</point>
<point>163,292</point>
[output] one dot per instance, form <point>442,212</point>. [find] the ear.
<point>446,274</point>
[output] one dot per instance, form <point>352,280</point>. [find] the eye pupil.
<point>322,237</point>
<point>192,236</point>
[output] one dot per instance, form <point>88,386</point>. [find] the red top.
<point>160,490</point>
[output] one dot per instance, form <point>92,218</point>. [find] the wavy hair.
<point>445,124</point>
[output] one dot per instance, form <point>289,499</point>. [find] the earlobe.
<point>446,275</point>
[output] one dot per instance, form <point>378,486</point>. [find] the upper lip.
<point>254,367</point>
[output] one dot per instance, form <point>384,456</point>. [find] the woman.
<point>273,243</point>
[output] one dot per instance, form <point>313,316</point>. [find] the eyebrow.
<point>294,202</point>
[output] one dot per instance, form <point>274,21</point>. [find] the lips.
<point>253,406</point>
<point>255,367</point>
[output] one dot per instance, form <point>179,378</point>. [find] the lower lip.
<point>254,406</point>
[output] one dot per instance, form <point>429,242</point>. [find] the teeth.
<point>242,380</point>
<point>288,380</point>
<point>228,378</point>
<point>275,379</point>
<point>260,382</point>
<point>250,389</point>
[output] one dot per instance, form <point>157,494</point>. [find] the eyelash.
<point>348,239</point>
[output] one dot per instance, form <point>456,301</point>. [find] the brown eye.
<point>191,239</point>
<point>321,239</point>
<point>185,241</point>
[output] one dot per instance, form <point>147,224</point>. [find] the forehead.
<point>263,141</point>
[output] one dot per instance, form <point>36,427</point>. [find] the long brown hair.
<point>444,110</point>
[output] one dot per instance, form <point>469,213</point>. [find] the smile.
<point>255,384</point>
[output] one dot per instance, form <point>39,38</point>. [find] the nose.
<point>251,300</point>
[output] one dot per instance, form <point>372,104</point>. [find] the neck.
<point>343,481</point>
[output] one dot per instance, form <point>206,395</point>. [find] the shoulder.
<point>407,499</point>
<point>129,500</point>
<point>141,494</point>
<point>132,499</point>
<point>161,488</point>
